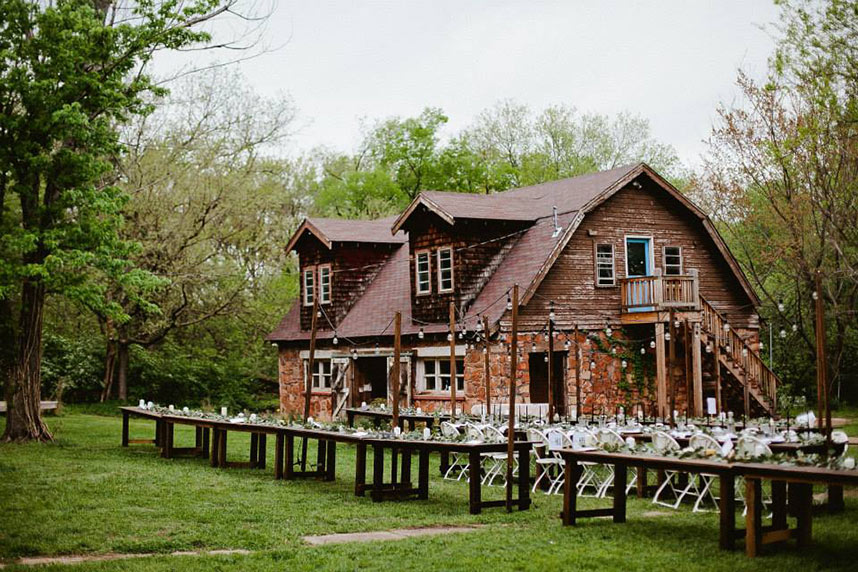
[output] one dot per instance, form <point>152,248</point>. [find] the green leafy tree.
<point>71,71</point>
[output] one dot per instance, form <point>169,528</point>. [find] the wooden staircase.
<point>747,376</point>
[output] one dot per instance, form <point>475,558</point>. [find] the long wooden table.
<point>378,417</point>
<point>622,462</point>
<point>792,492</point>
<point>288,467</point>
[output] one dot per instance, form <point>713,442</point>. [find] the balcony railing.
<point>657,293</point>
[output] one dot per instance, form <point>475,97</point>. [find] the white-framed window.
<point>672,260</point>
<point>325,284</point>
<point>309,281</point>
<point>435,375</point>
<point>321,373</point>
<point>445,270</point>
<point>422,272</point>
<point>605,265</point>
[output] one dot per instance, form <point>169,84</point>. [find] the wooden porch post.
<point>452,360</point>
<point>551,397</point>
<point>487,367</point>
<point>660,377</point>
<point>697,367</point>
<point>397,343</point>
<point>513,374</point>
<point>578,406</point>
<point>671,357</point>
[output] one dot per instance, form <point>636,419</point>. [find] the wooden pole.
<point>312,357</point>
<point>671,357</point>
<point>660,374</point>
<point>822,407</point>
<point>397,349</point>
<point>513,374</point>
<point>551,388</point>
<point>452,360</point>
<point>487,366</point>
<point>716,356</point>
<point>579,408</point>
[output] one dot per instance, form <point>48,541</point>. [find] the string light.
<point>676,323</point>
<point>762,346</point>
<point>567,344</point>
<point>592,364</point>
<point>667,336</point>
<point>551,314</point>
<point>782,333</point>
<point>744,352</point>
<point>420,333</point>
<point>780,306</point>
<point>533,347</point>
<point>815,296</point>
<point>376,349</point>
<point>449,337</point>
<point>479,324</point>
<point>709,348</point>
<point>795,327</point>
<point>624,364</point>
<point>643,350</point>
<point>335,341</point>
<point>608,330</point>
<point>508,302</point>
<point>652,344</point>
<point>613,351</point>
<point>726,327</point>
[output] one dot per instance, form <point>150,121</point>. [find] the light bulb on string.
<point>551,314</point>
<point>479,324</point>
<point>815,296</point>
<point>592,364</point>
<point>614,351</point>
<point>643,350</point>
<point>782,333</point>
<point>567,344</point>
<point>624,364</point>
<point>652,344</point>
<point>533,347</point>
<point>377,351</point>
<point>420,333</point>
<point>780,306</point>
<point>335,340</point>
<point>508,302</point>
<point>709,348</point>
<point>726,327</point>
<point>449,337</point>
<point>762,346</point>
<point>795,327</point>
<point>667,336</point>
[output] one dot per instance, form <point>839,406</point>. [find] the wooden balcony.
<point>658,293</point>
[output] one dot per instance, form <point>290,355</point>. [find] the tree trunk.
<point>24,417</point>
<point>109,362</point>
<point>122,371</point>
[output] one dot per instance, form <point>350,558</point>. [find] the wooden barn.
<point>646,306</point>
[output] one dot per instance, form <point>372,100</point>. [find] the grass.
<point>84,494</point>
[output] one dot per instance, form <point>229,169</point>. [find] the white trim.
<point>319,269</point>
<point>597,277</point>
<point>651,249</point>
<point>420,382</point>
<point>440,351</point>
<point>441,289</point>
<point>664,259</point>
<point>311,270</point>
<point>417,255</point>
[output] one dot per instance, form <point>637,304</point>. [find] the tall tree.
<point>70,72</point>
<point>780,176</point>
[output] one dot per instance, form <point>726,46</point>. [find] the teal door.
<point>637,266</point>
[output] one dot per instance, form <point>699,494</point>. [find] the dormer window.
<point>325,284</point>
<point>445,270</point>
<point>422,273</point>
<point>309,285</point>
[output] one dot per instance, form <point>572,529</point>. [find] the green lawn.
<point>85,494</point>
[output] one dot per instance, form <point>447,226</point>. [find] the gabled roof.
<point>331,230</point>
<point>527,263</point>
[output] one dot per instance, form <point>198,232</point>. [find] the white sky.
<point>669,61</point>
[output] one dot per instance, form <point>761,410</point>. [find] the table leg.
<point>124,428</point>
<point>620,476</point>
<point>642,482</point>
<point>254,450</point>
<point>835,499</point>
<point>377,472</point>
<point>804,512</point>
<point>167,449</point>
<point>205,444</point>
<point>475,500</point>
<point>570,492</point>
<point>198,438</point>
<point>754,516</point>
<point>215,449</point>
<point>331,461</point>
<point>289,461</point>
<point>445,462</point>
<point>406,467</point>
<point>222,452</point>
<point>350,419</point>
<point>360,469</point>
<point>278,456</point>
<point>727,507</point>
<point>394,464</point>
<point>423,474</point>
<point>159,430</point>
<point>779,508</point>
<point>524,477</point>
<point>262,451</point>
<point>321,446</point>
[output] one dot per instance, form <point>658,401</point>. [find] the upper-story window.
<point>672,260</point>
<point>605,265</point>
<point>423,274</point>
<point>445,270</point>
<point>325,284</point>
<point>309,285</point>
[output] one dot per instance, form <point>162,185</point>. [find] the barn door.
<point>340,385</point>
<point>404,380</point>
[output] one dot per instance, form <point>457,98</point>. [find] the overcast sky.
<point>669,61</point>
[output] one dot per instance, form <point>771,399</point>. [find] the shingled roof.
<point>331,230</point>
<point>526,264</point>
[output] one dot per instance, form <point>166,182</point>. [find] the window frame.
<point>325,378</point>
<point>664,263</point>
<point>308,271</point>
<point>596,264</point>
<point>436,375</point>
<point>320,268</point>
<point>441,289</point>
<point>417,255</point>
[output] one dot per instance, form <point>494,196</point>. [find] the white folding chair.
<point>664,443</point>
<point>456,468</point>
<point>590,475</point>
<point>610,439</point>
<point>702,441</point>
<point>546,460</point>
<point>495,463</point>
<point>748,446</point>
